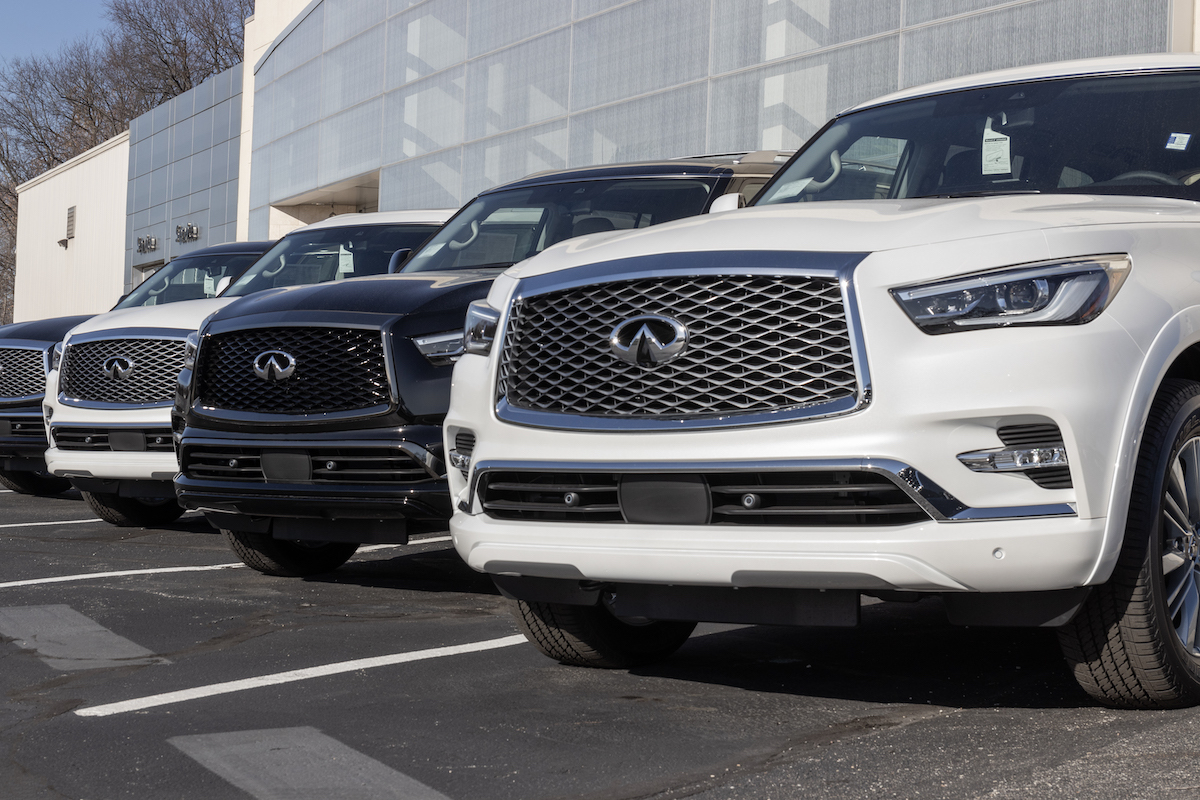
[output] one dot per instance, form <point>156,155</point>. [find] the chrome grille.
<point>328,465</point>
<point>337,369</point>
<point>756,343</point>
<point>156,366</point>
<point>22,373</point>
<point>835,498</point>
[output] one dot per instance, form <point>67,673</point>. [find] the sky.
<point>40,27</point>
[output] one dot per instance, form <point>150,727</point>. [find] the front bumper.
<point>931,399</point>
<point>372,475</point>
<point>22,439</point>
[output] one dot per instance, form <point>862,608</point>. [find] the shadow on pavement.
<point>900,653</point>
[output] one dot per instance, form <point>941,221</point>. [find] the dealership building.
<point>344,106</point>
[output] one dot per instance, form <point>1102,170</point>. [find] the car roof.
<point>761,163</point>
<point>1113,65</point>
<point>228,247</point>
<point>429,216</point>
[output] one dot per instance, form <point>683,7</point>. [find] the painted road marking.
<point>36,524</point>
<point>287,763</point>
<point>87,576</point>
<point>294,675</point>
<point>67,640</point>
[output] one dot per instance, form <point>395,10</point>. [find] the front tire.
<point>287,559</point>
<point>132,512</point>
<point>38,483</point>
<point>590,636</point>
<point>1136,641</point>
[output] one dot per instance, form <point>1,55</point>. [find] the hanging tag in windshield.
<point>996,155</point>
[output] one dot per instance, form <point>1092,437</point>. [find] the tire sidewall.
<point>1184,426</point>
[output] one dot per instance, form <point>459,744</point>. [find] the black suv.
<point>309,419</point>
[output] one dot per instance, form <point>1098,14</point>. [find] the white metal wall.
<point>87,276</point>
<point>446,97</point>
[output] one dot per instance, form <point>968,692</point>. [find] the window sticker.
<point>1179,141</point>
<point>209,286</point>
<point>791,189</point>
<point>997,158</point>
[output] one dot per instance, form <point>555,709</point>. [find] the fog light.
<point>460,461</point>
<point>1015,459</point>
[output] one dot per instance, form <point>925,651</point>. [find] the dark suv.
<point>309,419</point>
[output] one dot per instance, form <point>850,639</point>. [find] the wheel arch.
<point>1174,353</point>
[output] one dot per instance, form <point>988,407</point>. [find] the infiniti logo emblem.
<point>274,365</point>
<point>648,340</point>
<point>118,368</point>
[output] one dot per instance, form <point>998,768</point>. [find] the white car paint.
<point>173,320</point>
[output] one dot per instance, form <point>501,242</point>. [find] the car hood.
<point>861,226</point>
<point>185,315</point>
<point>384,294</point>
<point>41,330</point>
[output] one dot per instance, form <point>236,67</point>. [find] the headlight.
<point>1050,293</point>
<point>56,356</point>
<point>190,345</point>
<point>441,348</point>
<point>480,329</point>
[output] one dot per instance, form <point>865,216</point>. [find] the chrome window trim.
<point>827,265</point>
<point>115,334</point>
<point>933,499</point>
<point>16,344</point>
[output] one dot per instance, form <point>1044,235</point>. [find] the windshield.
<point>1130,134</point>
<point>330,254</point>
<point>188,278</point>
<point>497,230</point>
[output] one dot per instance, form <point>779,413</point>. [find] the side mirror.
<point>223,284</point>
<point>398,259</point>
<point>727,202</point>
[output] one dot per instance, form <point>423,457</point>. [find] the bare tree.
<point>54,107</point>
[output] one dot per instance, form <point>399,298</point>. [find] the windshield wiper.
<point>978,193</point>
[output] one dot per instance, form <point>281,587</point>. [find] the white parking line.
<point>291,676</point>
<point>286,763</point>
<point>87,576</point>
<point>59,522</point>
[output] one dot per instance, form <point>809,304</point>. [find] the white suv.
<point>976,375</point>
<point>112,384</point>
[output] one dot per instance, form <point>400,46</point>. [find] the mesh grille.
<point>156,364</point>
<point>337,369</point>
<point>755,343</point>
<point>22,372</point>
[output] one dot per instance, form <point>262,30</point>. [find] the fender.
<point>1177,335</point>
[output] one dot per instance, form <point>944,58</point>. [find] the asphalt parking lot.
<point>143,663</point>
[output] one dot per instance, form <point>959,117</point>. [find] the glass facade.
<point>183,174</point>
<point>438,99</point>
